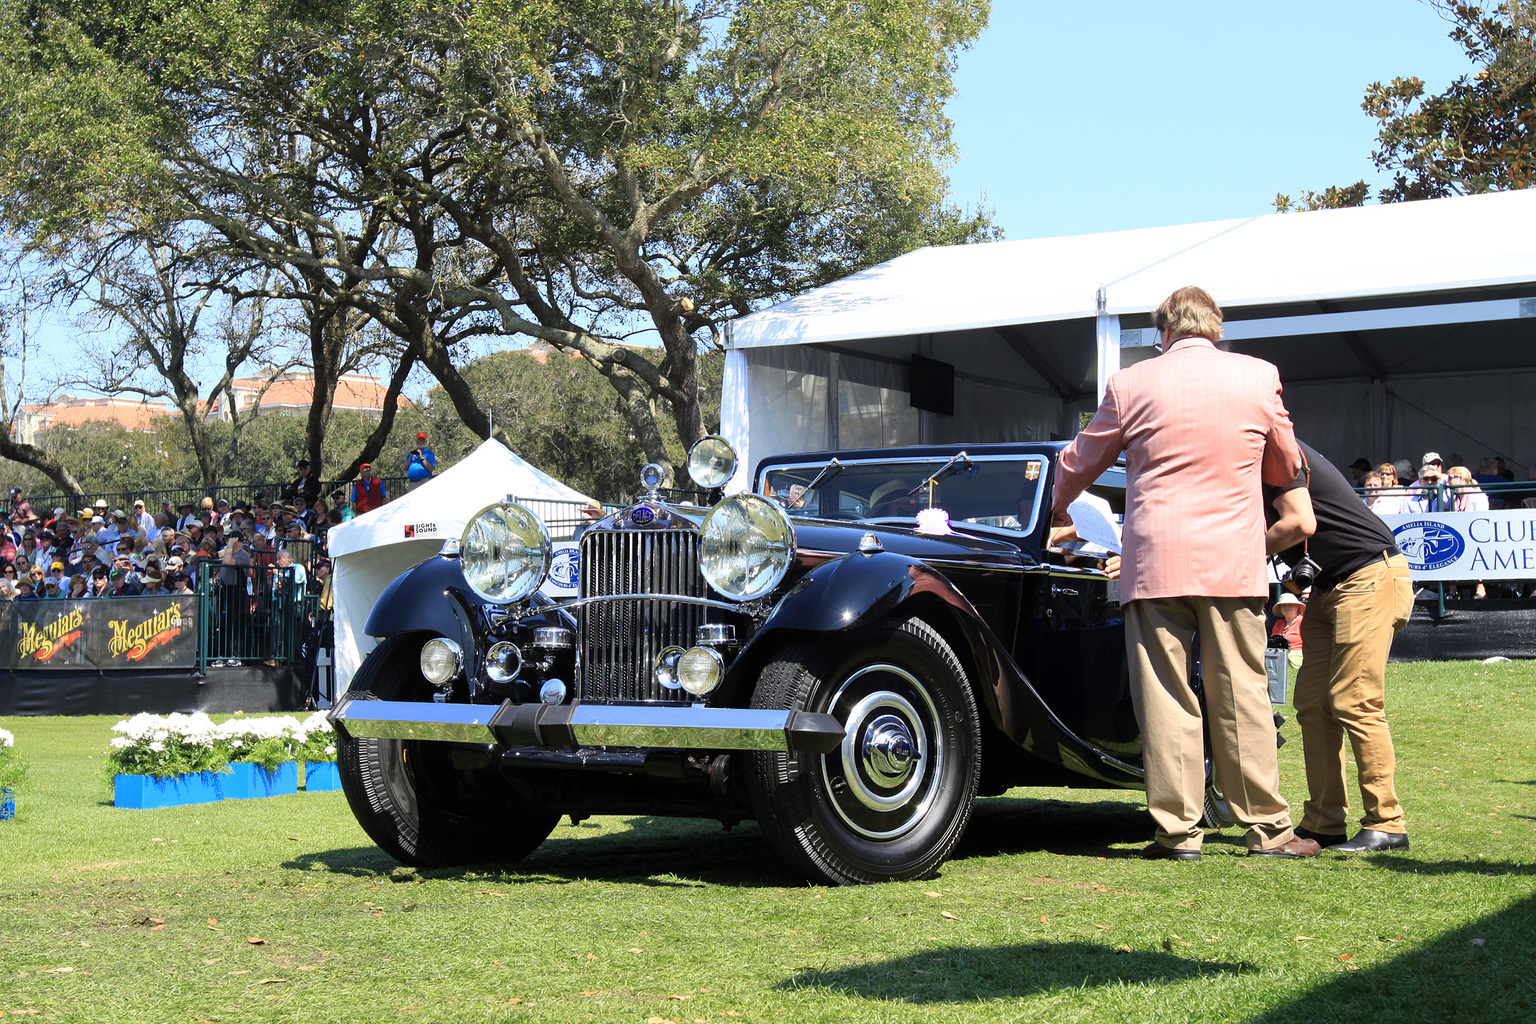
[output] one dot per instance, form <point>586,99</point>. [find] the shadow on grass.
<point>1484,971</point>
<point>661,852</point>
<point>960,974</point>
<point>684,853</point>
<point>1013,825</point>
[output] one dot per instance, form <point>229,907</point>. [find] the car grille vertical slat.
<point>621,639</point>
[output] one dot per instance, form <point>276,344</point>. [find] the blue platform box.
<point>144,791</point>
<point>8,803</point>
<point>250,781</point>
<point>321,776</point>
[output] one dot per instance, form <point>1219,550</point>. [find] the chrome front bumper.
<point>573,726</point>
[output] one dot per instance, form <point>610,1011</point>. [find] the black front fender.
<point>430,597</point>
<point>855,589</point>
<point>847,592</point>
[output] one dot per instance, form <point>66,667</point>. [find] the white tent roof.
<point>446,502</point>
<point>371,550</point>
<point>1436,245</point>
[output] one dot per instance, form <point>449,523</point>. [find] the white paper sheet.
<point>1095,522</point>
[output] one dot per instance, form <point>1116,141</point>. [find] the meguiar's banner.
<point>106,633</point>
<point>1466,546</point>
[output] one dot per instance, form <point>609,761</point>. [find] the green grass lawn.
<point>281,909</point>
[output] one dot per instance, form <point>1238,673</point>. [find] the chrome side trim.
<point>414,720</point>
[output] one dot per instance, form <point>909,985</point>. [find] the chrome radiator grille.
<point>620,639</point>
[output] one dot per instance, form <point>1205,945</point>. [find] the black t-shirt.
<point>1348,533</point>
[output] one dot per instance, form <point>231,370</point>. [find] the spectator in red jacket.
<point>367,491</point>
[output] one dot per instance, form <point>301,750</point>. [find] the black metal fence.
<point>154,499</point>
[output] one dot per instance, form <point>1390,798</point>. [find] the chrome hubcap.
<point>884,776</point>
<point>888,750</point>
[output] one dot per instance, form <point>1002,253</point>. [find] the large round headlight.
<point>711,461</point>
<point>505,553</point>
<point>745,546</point>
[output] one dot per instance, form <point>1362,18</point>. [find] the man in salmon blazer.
<point>1200,429</point>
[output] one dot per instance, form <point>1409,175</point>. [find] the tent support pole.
<point>1107,333</point>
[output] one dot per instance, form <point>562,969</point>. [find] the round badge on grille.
<point>641,515</point>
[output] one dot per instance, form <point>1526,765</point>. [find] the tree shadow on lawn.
<point>961,974</point>
<point>1484,971</point>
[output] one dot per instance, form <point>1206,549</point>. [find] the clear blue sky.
<point>1102,115</point>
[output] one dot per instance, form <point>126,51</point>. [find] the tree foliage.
<point>573,171</point>
<point>1479,135</point>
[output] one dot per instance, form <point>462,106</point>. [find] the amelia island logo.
<point>563,571</point>
<point>1429,545</point>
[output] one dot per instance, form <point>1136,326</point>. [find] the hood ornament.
<point>651,476</point>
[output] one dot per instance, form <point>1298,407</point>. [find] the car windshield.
<point>996,490</point>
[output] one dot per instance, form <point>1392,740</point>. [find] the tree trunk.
<point>375,443</point>
<point>327,334</point>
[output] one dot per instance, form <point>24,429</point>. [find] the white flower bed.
<point>179,744</point>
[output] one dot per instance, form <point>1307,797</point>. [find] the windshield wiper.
<point>958,463</point>
<point>828,472</point>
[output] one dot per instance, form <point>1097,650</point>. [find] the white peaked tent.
<point>371,550</point>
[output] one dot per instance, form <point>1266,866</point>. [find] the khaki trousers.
<point>1160,635</point>
<point>1346,635</point>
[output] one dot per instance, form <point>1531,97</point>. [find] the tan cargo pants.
<point>1346,635</point>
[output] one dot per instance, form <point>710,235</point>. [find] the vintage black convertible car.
<point>829,654</point>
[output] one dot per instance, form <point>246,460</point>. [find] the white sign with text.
<point>1468,545</point>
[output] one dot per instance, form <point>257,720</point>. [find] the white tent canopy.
<point>371,550</point>
<point>1396,328</point>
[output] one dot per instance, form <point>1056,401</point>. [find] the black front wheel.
<point>410,797</point>
<point>894,798</point>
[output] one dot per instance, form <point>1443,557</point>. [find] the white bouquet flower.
<point>166,745</point>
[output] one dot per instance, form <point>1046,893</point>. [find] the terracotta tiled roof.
<point>296,391</point>
<point>74,412</point>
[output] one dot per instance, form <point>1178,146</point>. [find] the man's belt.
<point>1330,581</point>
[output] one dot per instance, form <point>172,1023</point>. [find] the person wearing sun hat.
<point>1289,609</point>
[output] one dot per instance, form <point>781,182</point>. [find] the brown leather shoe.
<point>1297,847</point>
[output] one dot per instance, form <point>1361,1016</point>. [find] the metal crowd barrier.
<point>254,614</point>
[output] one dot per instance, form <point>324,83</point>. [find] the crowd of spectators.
<point>116,552</point>
<point>1446,484</point>
<point>1439,484</point>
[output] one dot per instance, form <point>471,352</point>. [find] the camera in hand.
<point>1302,575</point>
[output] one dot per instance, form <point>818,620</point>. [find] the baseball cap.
<point>421,435</point>
<point>1431,457</point>
<point>365,466</point>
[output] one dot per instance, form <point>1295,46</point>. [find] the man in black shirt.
<point>304,486</point>
<point>1361,597</point>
